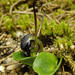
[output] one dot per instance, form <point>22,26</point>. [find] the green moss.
<point>55,14</point>
<point>24,6</point>
<point>8,23</point>
<point>65,41</point>
<point>54,29</point>
<point>73,7</point>
<point>60,11</point>
<point>24,21</point>
<point>13,34</point>
<point>65,29</point>
<point>1,14</point>
<point>49,0</point>
<point>3,1</point>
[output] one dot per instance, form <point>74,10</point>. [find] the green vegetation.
<point>58,23</point>
<point>8,23</point>
<point>45,63</point>
<point>24,21</point>
<point>50,28</point>
<point>54,29</point>
<point>66,42</point>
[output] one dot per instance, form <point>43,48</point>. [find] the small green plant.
<point>44,64</point>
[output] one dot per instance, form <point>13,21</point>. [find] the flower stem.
<point>35,19</point>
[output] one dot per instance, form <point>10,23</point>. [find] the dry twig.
<point>2,36</point>
<point>5,46</point>
<point>1,20</point>
<point>12,6</point>
<point>7,57</point>
<point>51,50</point>
<point>17,62</point>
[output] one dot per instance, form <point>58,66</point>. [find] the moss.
<point>24,21</point>
<point>65,41</point>
<point>60,11</point>
<point>54,29</point>
<point>73,7</point>
<point>8,23</point>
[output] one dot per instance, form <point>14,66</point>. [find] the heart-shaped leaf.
<point>45,64</point>
<point>19,56</point>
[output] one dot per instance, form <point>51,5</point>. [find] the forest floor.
<point>57,32</point>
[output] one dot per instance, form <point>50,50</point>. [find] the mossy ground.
<point>58,24</point>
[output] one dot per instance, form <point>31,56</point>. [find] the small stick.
<point>56,20</point>
<point>30,9</point>
<point>24,12</point>
<point>40,25</point>
<point>51,50</point>
<point>12,6</point>
<point>1,20</point>
<point>5,46</point>
<point>7,57</point>
<point>17,62</point>
<point>2,36</point>
<point>63,70</point>
<point>70,12</point>
<point>61,17</point>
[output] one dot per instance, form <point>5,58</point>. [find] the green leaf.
<point>19,56</point>
<point>46,64</point>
